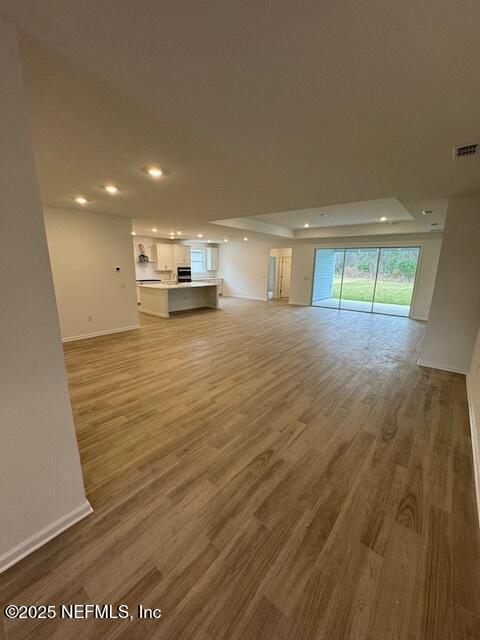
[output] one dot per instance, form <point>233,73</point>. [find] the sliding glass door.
<point>397,268</point>
<point>358,286</point>
<point>371,279</point>
<point>327,281</point>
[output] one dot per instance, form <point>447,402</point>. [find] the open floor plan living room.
<point>240,321</point>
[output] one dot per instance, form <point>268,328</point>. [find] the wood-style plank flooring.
<point>265,472</point>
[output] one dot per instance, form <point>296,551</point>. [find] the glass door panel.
<point>359,273</point>
<point>397,268</point>
<point>327,278</point>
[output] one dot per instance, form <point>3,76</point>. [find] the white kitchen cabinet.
<point>181,255</point>
<point>211,258</point>
<point>163,255</point>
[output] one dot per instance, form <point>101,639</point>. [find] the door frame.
<point>277,286</point>
<point>280,280</point>
<point>371,246</point>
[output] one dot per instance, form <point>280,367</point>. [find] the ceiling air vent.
<point>465,150</point>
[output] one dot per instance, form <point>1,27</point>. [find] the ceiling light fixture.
<point>200,235</point>
<point>245,239</point>
<point>154,229</point>
<point>306,225</point>
<point>111,188</point>
<point>133,233</point>
<point>179,233</point>
<point>81,200</point>
<point>155,172</point>
<point>225,239</point>
<point>427,212</point>
<point>383,219</point>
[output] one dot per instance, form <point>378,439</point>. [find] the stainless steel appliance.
<point>184,274</point>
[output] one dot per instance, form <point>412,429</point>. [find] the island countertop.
<point>180,285</point>
<point>160,299</point>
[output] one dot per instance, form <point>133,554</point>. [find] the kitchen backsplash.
<point>146,271</point>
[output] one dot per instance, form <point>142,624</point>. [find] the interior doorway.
<point>371,279</point>
<point>279,273</point>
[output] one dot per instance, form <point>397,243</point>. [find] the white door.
<point>272,267</point>
<point>285,270</point>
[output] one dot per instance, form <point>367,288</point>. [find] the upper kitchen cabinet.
<point>181,255</point>
<point>163,256</point>
<point>211,258</point>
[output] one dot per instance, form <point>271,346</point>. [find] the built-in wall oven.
<point>184,274</point>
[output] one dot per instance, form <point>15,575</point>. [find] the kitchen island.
<point>162,299</point>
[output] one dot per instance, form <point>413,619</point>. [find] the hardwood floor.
<point>265,472</point>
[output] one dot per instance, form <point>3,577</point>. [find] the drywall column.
<point>93,298</point>
<point>41,485</point>
<point>473,388</point>
<point>455,309</point>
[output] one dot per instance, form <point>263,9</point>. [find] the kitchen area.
<point>175,276</point>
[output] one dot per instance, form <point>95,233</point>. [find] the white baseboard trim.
<point>228,295</point>
<point>44,535</point>
<point>442,367</point>
<point>100,333</point>
<point>298,304</point>
<point>475,444</point>
<point>154,313</point>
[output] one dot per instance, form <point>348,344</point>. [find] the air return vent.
<point>465,150</point>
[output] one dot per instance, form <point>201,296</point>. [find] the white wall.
<point>473,387</point>
<point>84,250</point>
<point>244,266</point>
<point>41,485</point>
<point>455,311</point>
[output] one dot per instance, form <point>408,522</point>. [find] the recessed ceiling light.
<point>208,240</point>
<point>200,235</point>
<point>155,172</point>
<point>111,188</point>
<point>225,239</point>
<point>383,219</point>
<point>154,229</point>
<point>81,200</point>
<point>133,233</point>
<point>427,212</point>
<point>179,233</point>
<point>245,239</point>
<point>306,225</point>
